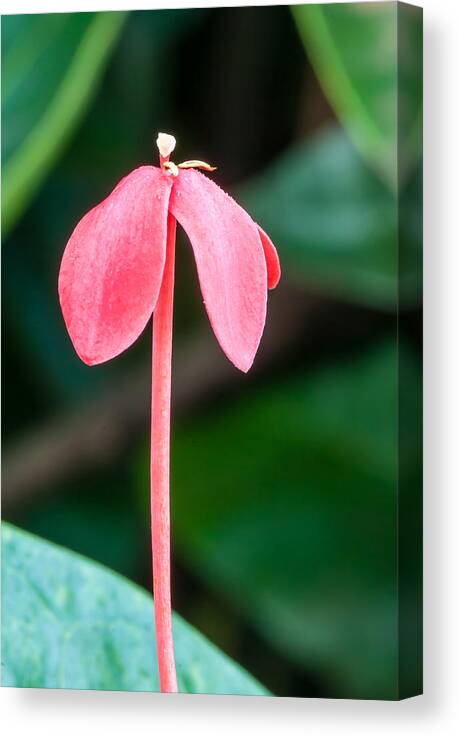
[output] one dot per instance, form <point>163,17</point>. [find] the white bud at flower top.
<point>166,144</point>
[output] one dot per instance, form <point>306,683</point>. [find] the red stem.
<point>159,466</point>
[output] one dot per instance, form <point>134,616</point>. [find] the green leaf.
<point>336,224</point>
<point>70,623</point>
<point>285,503</point>
<point>51,67</point>
<point>354,49</point>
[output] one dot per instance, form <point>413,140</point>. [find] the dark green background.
<point>286,483</point>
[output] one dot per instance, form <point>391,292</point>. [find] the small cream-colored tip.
<point>166,144</point>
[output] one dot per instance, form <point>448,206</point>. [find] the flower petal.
<point>272,259</point>
<point>112,266</point>
<point>230,262</point>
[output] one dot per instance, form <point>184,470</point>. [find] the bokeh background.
<point>287,483</point>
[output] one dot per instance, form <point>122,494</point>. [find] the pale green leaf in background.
<point>70,623</point>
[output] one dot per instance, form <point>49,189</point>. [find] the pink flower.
<point>118,269</point>
<point>113,264</point>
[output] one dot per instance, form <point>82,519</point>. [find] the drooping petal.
<point>230,262</point>
<point>112,266</point>
<point>272,260</point>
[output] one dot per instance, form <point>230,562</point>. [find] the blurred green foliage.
<point>336,222</point>
<point>53,64</point>
<point>284,502</point>
<point>284,485</point>
<point>71,624</point>
<point>355,49</point>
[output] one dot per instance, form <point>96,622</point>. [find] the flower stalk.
<point>159,466</point>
